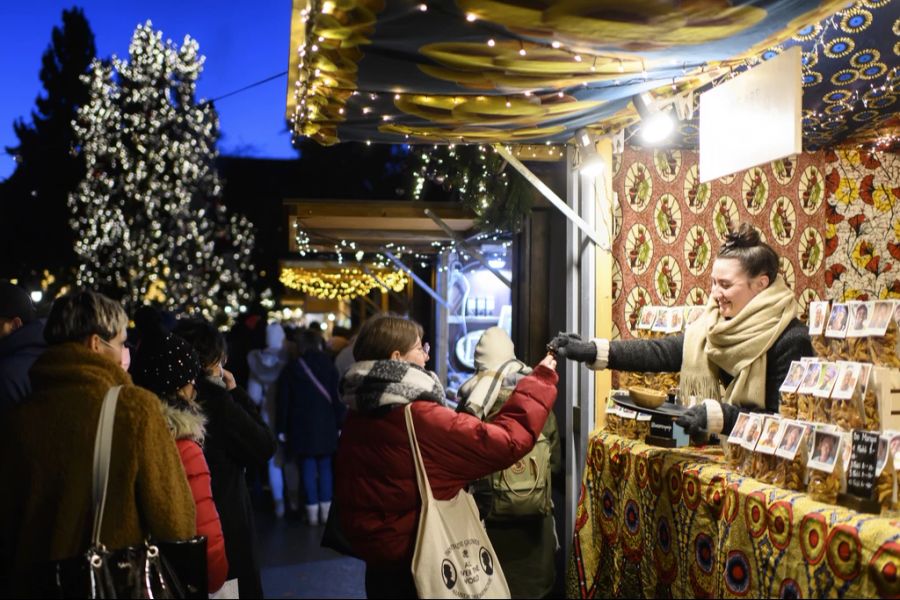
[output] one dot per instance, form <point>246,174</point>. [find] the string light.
<point>344,283</point>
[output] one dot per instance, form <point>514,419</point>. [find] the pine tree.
<point>148,214</point>
<point>33,204</point>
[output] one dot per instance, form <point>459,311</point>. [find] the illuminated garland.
<point>342,284</point>
<point>476,174</point>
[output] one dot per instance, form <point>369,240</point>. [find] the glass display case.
<point>476,300</point>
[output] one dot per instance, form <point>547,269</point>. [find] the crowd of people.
<point>326,428</point>
<point>193,439</point>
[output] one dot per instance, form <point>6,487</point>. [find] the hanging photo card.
<point>810,377</point>
<point>740,428</point>
<point>827,380</point>
<point>768,440</point>
<point>753,431</point>
<point>817,313</point>
<point>693,313</point>
<point>847,380</point>
<point>826,447</point>
<point>881,459</point>
<point>794,377</point>
<point>661,323</point>
<point>894,448</point>
<point>790,437</point>
<point>837,322</point>
<point>865,374</point>
<point>675,319</point>
<point>648,317</point>
<point>881,317</point>
<point>859,313</point>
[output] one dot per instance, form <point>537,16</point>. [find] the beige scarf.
<point>738,346</point>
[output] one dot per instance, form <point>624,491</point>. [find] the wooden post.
<point>604,265</point>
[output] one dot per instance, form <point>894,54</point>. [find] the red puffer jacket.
<point>375,477</point>
<point>208,523</point>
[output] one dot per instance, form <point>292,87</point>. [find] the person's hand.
<point>571,346</point>
<point>549,362</point>
<point>694,420</point>
<point>228,377</point>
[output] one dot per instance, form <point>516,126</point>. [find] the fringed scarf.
<point>738,346</point>
<point>371,384</point>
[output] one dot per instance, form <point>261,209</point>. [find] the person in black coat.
<point>308,417</point>
<point>744,342</point>
<point>236,438</point>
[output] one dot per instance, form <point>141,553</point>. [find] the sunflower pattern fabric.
<point>659,523</point>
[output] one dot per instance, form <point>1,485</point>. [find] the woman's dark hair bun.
<point>756,256</point>
<point>746,236</point>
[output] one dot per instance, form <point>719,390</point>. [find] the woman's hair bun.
<point>746,236</point>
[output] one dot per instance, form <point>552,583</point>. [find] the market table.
<point>655,522</point>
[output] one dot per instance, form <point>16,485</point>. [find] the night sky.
<point>244,42</point>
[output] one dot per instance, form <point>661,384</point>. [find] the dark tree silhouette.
<point>35,234</point>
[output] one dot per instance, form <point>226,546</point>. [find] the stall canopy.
<point>534,71</point>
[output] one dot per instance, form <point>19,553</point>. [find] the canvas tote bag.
<point>454,557</point>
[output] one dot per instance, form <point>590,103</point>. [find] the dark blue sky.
<point>243,42</point>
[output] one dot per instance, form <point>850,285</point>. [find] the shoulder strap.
<point>315,379</point>
<point>421,475</point>
<point>493,393</point>
<point>102,452</point>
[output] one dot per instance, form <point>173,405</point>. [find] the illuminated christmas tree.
<point>149,223</point>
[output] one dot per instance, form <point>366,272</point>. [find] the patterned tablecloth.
<point>656,522</point>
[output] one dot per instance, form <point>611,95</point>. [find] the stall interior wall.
<point>832,216</point>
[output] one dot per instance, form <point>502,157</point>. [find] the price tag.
<point>863,461</point>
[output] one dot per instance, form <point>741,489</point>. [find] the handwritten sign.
<point>863,458</point>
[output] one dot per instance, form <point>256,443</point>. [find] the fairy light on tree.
<point>148,215</point>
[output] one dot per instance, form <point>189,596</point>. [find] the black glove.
<point>694,420</point>
<point>571,346</point>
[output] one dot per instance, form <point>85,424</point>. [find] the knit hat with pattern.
<point>168,365</point>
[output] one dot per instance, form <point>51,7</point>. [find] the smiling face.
<point>732,289</point>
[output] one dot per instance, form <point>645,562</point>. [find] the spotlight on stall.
<point>656,124</point>
<point>591,163</point>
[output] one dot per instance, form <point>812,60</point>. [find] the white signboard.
<point>753,118</point>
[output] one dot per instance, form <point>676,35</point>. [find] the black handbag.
<point>154,569</point>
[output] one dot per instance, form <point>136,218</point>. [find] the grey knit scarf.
<point>371,384</point>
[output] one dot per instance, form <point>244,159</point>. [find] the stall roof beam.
<point>373,224</point>
<point>469,248</point>
<point>550,195</point>
<point>418,280</point>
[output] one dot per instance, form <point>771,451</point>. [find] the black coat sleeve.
<point>249,441</point>
<point>651,356</point>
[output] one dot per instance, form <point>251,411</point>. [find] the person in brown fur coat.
<point>47,446</point>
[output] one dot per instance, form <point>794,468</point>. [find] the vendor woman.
<point>745,340</point>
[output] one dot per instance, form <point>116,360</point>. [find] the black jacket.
<point>18,351</point>
<point>236,438</point>
<point>309,420</point>
<point>664,355</point>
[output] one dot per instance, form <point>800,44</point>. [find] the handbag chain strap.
<point>102,453</point>
<point>421,475</point>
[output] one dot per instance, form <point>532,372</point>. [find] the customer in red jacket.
<point>169,367</point>
<point>375,479</point>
